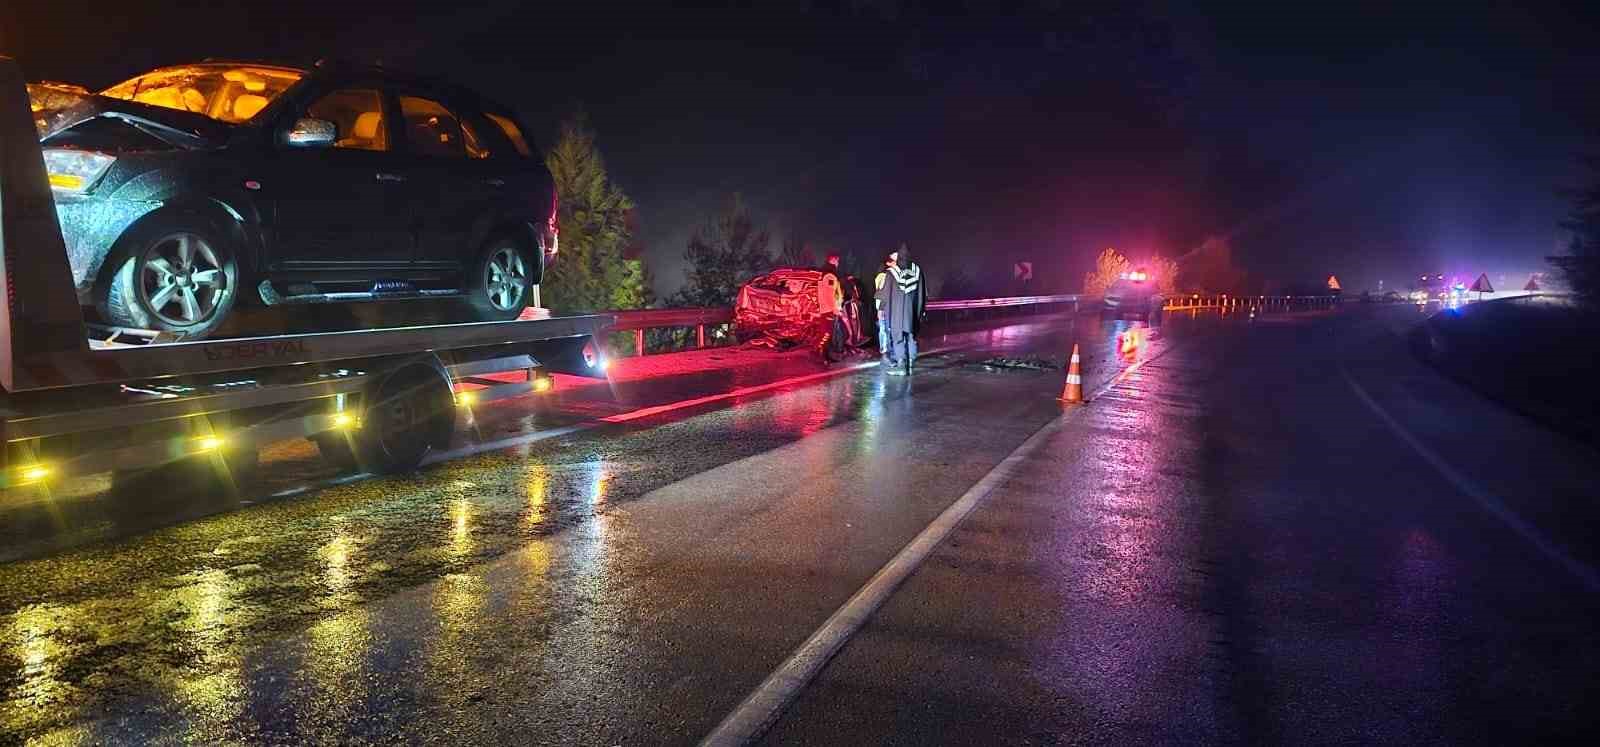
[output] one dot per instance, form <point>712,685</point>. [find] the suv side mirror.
<point>309,132</point>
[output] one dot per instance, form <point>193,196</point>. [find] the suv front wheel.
<point>501,282</point>
<point>176,275</point>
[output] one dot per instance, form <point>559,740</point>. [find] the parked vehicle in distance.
<point>1132,295</point>
<point>187,189</point>
<point>791,307</point>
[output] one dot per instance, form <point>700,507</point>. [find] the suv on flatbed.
<point>189,188</point>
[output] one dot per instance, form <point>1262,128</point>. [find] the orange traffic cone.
<point>1072,393</point>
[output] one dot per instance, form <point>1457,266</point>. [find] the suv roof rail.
<point>286,64</point>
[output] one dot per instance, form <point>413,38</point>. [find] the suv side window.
<point>508,126</point>
<point>431,130</point>
<point>358,113</point>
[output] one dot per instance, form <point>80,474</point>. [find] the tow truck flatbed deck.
<point>76,398</point>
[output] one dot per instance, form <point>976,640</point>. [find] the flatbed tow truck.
<point>79,399</point>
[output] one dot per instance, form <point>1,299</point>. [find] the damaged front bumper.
<point>91,226</point>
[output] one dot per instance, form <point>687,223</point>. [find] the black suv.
<point>182,189</point>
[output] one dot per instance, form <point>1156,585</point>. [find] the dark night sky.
<point>1360,140</point>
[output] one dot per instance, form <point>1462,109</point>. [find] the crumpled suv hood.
<point>178,128</point>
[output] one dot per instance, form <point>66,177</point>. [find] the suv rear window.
<point>512,133</point>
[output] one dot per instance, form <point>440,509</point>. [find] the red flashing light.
<point>554,224</point>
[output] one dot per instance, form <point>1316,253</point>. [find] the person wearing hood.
<point>904,305</point>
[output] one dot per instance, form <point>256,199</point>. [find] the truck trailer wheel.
<point>408,414</point>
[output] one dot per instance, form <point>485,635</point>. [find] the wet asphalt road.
<point>1278,530</point>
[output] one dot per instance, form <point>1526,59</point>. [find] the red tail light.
<point>554,225</point>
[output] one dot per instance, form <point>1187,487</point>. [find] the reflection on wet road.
<point>177,610</point>
<point>630,581</point>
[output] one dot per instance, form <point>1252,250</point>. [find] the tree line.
<point>598,266</point>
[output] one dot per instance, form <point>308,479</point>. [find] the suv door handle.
<point>495,182</point>
<point>384,177</point>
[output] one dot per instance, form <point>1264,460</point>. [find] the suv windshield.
<point>227,93</point>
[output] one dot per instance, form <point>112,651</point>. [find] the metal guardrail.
<point>1541,298</point>
<point>992,303</point>
<point>1251,303</point>
<point>638,321</point>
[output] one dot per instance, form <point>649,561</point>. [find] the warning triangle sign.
<point>1333,283</point>
<point>1533,283</point>
<point>1481,285</point>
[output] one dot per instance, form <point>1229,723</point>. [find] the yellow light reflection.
<point>462,543</point>
<point>337,654</point>
<point>538,495</point>
<point>459,604</point>
<point>338,570</point>
<point>34,643</point>
<point>210,685</point>
<point>40,639</point>
<point>598,477</point>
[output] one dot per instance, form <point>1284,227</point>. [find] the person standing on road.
<point>878,296</point>
<point>903,309</point>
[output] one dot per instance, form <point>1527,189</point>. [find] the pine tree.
<point>1581,264</point>
<point>592,271</point>
<point>723,254</point>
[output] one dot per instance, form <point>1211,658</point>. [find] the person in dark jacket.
<point>880,292</point>
<point>903,308</point>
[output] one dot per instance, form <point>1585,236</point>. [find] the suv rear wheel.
<point>177,275</point>
<point>500,284</point>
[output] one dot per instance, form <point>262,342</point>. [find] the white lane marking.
<point>753,716</point>
<point>1497,508</point>
<point>757,712</point>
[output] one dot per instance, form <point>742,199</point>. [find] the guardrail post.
<point>638,342</point>
<point>700,335</point>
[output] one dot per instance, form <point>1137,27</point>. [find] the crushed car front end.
<point>105,175</point>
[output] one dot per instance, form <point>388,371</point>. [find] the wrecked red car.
<point>789,308</point>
